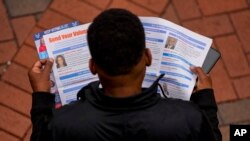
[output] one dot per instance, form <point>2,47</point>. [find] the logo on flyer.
<point>37,36</point>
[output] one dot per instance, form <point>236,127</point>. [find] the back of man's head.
<point>116,41</point>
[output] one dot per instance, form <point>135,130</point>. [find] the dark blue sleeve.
<point>41,113</point>
<point>206,102</point>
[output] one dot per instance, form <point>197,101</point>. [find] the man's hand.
<point>204,81</point>
<point>39,75</point>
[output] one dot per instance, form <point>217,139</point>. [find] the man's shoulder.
<point>69,112</point>
<point>177,114</point>
<point>68,108</point>
<point>181,107</point>
<point>177,102</point>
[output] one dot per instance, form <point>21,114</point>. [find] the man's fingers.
<point>36,67</point>
<point>43,61</point>
<point>48,66</point>
<point>201,74</point>
<point>198,70</point>
<point>204,81</point>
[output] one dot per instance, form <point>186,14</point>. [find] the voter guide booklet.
<point>174,49</point>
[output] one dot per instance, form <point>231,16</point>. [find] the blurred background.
<point>226,21</point>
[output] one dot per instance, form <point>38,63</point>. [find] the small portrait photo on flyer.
<point>171,42</point>
<point>60,61</point>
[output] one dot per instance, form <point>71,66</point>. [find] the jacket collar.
<point>95,96</point>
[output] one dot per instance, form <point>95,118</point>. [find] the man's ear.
<point>148,57</point>
<point>92,66</point>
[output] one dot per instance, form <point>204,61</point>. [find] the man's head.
<point>117,42</point>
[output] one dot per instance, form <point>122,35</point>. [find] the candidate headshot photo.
<point>60,61</point>
<point>171,42</point>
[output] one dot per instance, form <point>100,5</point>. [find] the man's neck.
<point>122,91</point>
<point>122,86</point>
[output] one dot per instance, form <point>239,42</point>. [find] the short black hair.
<point>116,41</point>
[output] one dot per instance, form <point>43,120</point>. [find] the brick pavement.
<point>226,21</point>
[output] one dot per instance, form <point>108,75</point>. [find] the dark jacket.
<point>143,117</point>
